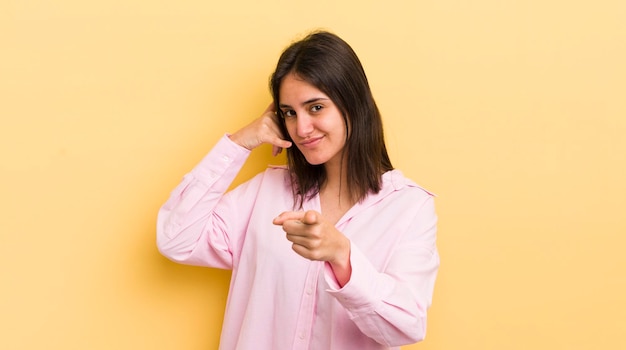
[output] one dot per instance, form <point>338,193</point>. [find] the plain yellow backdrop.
<point>513,112</point>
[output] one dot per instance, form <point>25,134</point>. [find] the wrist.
<point>236,138</point>
<point>341,266</point>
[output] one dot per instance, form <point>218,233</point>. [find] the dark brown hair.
<point>327,62</point>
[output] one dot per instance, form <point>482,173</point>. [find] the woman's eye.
<point>289,113</point>
<point>316,108</point>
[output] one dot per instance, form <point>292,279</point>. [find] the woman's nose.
<point>304,125</point>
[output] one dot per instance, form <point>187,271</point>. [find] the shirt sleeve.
<point>189,219</point>
<point>390,306</point>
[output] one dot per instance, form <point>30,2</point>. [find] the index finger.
<point>288,215</point>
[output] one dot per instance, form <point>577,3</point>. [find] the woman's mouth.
<point>311,142</point>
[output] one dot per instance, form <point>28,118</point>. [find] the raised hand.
<point>316,239</point>
<point>262,130</point>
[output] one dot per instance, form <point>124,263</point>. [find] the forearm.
<point>388,307</point>
<point>183,217</point>
<point>341,266</point>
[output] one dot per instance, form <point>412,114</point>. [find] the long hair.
<point>327,62</point>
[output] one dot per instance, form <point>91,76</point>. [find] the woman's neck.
<point>335,195</point>
<point>336,176</point>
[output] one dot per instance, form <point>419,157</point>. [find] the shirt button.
<point>225,158</point>
<point>309,292</point>
<point>302,335</point>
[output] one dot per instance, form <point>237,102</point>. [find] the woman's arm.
<point>189,214</point>
<point>189,217</point>
<point>390,306</point>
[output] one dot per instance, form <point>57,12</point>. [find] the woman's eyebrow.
<point>312,100</point>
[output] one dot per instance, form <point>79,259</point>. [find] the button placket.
<point>306,314</point>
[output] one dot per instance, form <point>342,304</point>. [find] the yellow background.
<point>513,112</point>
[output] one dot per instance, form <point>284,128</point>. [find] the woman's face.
<point>313,121</point>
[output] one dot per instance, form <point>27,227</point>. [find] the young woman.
<point>334,251</point>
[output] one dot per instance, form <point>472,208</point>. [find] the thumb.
<point>310,217</point>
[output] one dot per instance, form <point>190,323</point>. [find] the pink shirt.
<point>280,300</point>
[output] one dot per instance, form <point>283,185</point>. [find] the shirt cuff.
<point>366,287</point>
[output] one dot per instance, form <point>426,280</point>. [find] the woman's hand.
<point>262,130</point>
<point>316,239</point>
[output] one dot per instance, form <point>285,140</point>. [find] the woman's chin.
<point>315,160</point>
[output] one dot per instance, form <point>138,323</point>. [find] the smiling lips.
<point>311,142</point>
